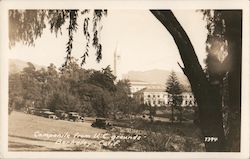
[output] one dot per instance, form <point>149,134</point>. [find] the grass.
<point>23,126</point>
<point>187,113</point>
<point>157,136</point>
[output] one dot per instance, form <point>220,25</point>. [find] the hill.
<point>16,65</point>
<point>156,76</point>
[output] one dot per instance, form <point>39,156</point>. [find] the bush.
<point>154,142</point>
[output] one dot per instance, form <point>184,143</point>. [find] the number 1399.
<point>211,139</point>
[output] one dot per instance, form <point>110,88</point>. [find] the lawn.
<point>33,133</point>
<point>23,128</point>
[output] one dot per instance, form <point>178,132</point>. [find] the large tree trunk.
<point>233,34</point>
<point>207,93</point>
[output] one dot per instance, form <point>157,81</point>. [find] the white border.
<point>112,4</point>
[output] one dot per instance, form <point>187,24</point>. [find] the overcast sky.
<point>142,41</point>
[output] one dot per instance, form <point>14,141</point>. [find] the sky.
<point>140,39</point>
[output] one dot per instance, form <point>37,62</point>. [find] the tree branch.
<point>193,69</point>
<point>207,96</point>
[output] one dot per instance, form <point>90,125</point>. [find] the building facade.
<point>136,86</point>
<point>152,97</point>
<point>158,97</point>
<point>188,99</point>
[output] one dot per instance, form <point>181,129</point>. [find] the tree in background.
<point>174,89</point>
<point>103,78</point>
<point>31,86</point>
<point>88,92</point>
<point>16,100</point>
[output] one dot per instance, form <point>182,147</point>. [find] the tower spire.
<point>117,62</point>
<point>115,58</point>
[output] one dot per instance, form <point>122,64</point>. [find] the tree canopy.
<point>89,92</point>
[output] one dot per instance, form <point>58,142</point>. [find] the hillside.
<point>16,65</point>
<point>156,76</point>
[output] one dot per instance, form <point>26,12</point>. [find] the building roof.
<point>138,83</point>
<point>158,90</point>
<point>151,89</point>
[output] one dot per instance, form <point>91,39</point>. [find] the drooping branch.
<point>26,26</point>
<point>72,28</point>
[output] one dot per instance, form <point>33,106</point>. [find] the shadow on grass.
<point>29,138</point>
<point>15,146</point>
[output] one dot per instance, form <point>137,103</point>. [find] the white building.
<point>152,96</point>
<point>136,86</point>
<point>157,96</point>
<point>188,99</point>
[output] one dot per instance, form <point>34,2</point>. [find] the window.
<point>149,96</point>
<point>190,103</point>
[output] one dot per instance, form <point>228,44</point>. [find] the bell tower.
<point>117,58</point>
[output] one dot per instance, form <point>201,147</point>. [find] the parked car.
<point>61,114</point>
<point>81,118</point>
<point>49,114</point>
<point>74,116</point>
<point>53,117</point>
<point>31,110</point>
<point>101,123</point>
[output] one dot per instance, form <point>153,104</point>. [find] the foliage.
<point>174,88</point>
<point>224,45</point>
<point>71,88</point>
<point>104,79</point>
<point>26,26</point>
<point>223,66</point>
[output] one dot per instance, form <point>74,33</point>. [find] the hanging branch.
<point>98,14</point>
<point>72,28</point>
<point>87,36</point>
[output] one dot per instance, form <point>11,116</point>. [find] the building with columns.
<point>156,96</point>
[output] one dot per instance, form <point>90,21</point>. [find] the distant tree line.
<point>71,88</point>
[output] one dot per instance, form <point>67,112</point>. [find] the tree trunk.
<point>233,34</point>
<point>172,114</point>
<point>207,93</point>
<point>180,109</point>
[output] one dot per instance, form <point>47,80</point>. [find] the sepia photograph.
<point>125,80</point>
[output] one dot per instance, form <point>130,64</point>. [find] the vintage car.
<point>49,114</point>
<point>74,116</point>
<point>101,123</point>
<point>53,117</point>
<point>61,114</point>
<point>31,110</point>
